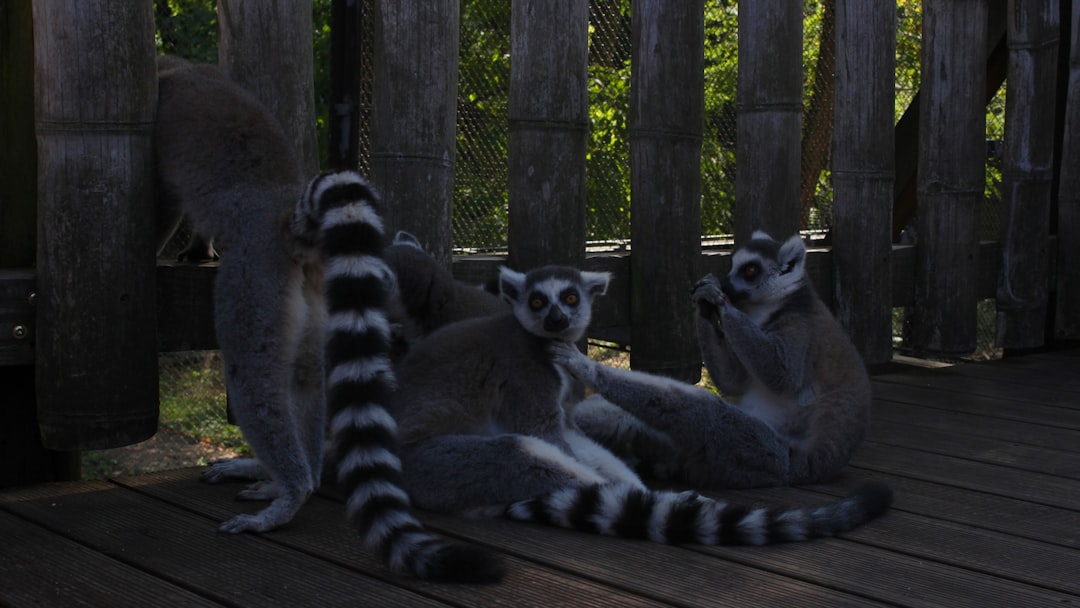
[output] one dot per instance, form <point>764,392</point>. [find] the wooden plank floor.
<point>984,459</point>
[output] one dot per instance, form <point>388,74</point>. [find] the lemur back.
<point>427,296</point>
<point>296,279</point>
<point>801,391</point>
<point>484,430</point>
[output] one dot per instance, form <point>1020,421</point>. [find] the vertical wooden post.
<point>1027,172</point>
<point>951,175</point>
<point>667,115</point>
<point>95,96</point>
<point>863,173</point>
<point>266,45</point>
<point>414,117</point>
<point>549,124</point>
<point>769,113</point>
<point>1067,316</point>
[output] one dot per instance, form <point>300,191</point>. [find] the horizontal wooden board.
<point>986,513</point>
<point>32,575</point>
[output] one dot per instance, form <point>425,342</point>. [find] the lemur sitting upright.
<point>801,390</point>
<point>301,274</point>
<point>480,407</point>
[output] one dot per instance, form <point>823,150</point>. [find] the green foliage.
<point>187,28</point>
<point>320,18</point>
<point>480,183</point>
<point>718,144</point>
<point>193,400</point>
<point>908,49</point>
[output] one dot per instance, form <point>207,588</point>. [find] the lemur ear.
<point>792,254</point>
<point>761,235</point>
<point>511,284</point>
<point>596,282</point>
<point>407,239</point>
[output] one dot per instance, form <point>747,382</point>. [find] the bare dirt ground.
<point>168,449</point>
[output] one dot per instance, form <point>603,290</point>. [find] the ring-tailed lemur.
<point>480,408</point>
<point>802,390</point>
<point>296,281</point>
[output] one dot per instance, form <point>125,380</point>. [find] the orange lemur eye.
<point>571,299</point>
<point>537,302</point>
<point>750,271</point>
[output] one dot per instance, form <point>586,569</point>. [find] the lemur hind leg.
<point>229,469</point>
<point>643,447</point>
<point>718,445</point>
<point>480,476</point>
<point>259,375</point>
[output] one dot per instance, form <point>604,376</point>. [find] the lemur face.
<point>554,301</point>
<point>764,271</point>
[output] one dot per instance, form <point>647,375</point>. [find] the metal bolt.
<point>19,332</point>
<point>32,298</point>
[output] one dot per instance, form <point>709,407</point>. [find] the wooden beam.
<point>952,176</point>
<point>768,118</point>
<point>665,131</point>
<point>414,117</point>
<point>549,128</point>
<point>1067,318</point>
<point>267,48</point>
<point>1027,173</point>
<point>863,172</point>
<point>96,95</point>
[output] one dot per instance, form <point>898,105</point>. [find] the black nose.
<point>556,320</point>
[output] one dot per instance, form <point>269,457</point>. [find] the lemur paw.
<point>234,468</point>
<point>278,513</point>
<point>709,296</point>
<point>573,360</point>
<point>260,490</point>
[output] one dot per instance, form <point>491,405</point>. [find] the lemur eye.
<point>571,298</point>
<point>750,271</point>
<point>537,302</point>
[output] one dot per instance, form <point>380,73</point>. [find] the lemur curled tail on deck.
<point>299,314</point>
<point>801,391</point>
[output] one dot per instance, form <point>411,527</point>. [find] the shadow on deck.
<point>984,459</point>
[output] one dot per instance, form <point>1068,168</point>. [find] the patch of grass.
<point>193,399</point>
<point>96,464</point>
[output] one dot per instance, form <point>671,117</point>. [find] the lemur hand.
<point>567,355</point>
<point>709,297</point>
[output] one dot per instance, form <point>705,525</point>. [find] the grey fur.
<point>480,405</point>
<point>427,296</point>
<point>801,392</point>
<point>286,251</point>
<point>224,160</point>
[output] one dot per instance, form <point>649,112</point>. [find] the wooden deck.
<point>984,459</point>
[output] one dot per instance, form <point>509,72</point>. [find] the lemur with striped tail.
<point>481,407</point>
<point>797,394</point>
<point>299,315</point>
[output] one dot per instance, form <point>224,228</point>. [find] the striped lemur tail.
<point>688,517</point>
<point>339,215</point>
